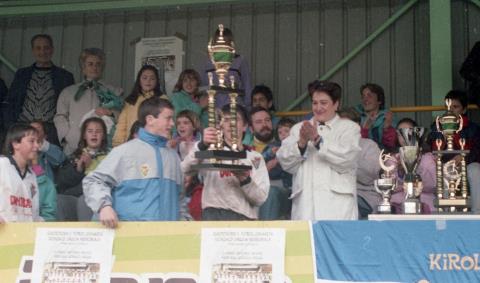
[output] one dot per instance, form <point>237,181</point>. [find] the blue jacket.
<point>140,179</point>
<point>61,78</point>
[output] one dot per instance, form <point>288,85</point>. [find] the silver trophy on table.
<point>410,155</point>
<point>385,185</point>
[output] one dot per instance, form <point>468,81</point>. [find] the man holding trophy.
<point>236,181</point>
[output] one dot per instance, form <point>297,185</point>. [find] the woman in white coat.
<point>322,155</point>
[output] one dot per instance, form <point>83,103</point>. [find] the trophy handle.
<point>461,125</point>
<point>381,160</point>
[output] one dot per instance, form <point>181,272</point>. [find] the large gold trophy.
<point>452,185</point>
<point>221,51</point>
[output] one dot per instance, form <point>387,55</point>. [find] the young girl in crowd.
<point>188,132</point>
<point>146,85</point>
<point>18,184</point>
<point>92,149</point>
<point>186,97</point>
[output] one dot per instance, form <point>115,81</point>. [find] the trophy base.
<point>220,154</point>
<point>221,167</point>
<point>411,206</point>
<point>384,209</point>
<point>452,205</point>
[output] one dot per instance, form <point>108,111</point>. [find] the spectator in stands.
<point>18,184</point>
<point>471,133</point>
<point>470,71</point>
<point>426,171</point>
<point>146,85</point>
<point>92,149</point>
<point>50,156</point>
<point>322,155</point>
<point>46,190</point>
<point>92,97</point>
<point>239,70</point>
<point>231,195</point>
<point>376,122</point>
<point>34,90</point>
<point>368,169</point>
<point>188,132</point>
<point>278,205</point>
<point>139,180</point>
<point>261,97</point>
<point>186,95</point>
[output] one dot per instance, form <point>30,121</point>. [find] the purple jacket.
<point>241,71</point>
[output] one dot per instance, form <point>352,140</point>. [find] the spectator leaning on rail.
<point>139,180</point>
<point>35,89</point>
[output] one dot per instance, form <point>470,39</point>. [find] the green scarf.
<point>107,98</point>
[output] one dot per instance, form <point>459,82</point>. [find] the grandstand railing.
<point>393,109</point>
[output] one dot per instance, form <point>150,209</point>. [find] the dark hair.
<point>83,142</point>
<point>16,133</point>
<point>40,122</point>
<point>134,129</point>
<point>459,95</point>
<point>137,88</point>
<point>285,122</point>
<point>407,120</point>
<point>350,113</point>
<point>330,88</point>
<point>240,110</point>
<point>152,106</point>
<point>44,36</point>
<point>190,73</point>
<point>227,35</point>
<point>266,91</point>
<point>378,90</point>
<point>192,116</point>
<point>255,110</point>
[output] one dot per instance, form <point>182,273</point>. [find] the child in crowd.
<point>275,171</point>
<point>146,85</point>
<point>188,132</point>
<point>50,156</point>
<point>47,191</point>
<point>426,171</point>
<point>18,184</point>
<point>139,180</point>
<point>92,149</point>
<point>185,95</point>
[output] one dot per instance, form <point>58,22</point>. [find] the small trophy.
<point>221,51</point>
<point>410,155</point>
<point>386,183</point>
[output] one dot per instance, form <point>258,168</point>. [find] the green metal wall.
<point>288,43</point>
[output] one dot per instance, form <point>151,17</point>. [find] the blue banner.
<point>397,251</point>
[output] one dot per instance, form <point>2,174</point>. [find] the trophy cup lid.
<point>221,48</point>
